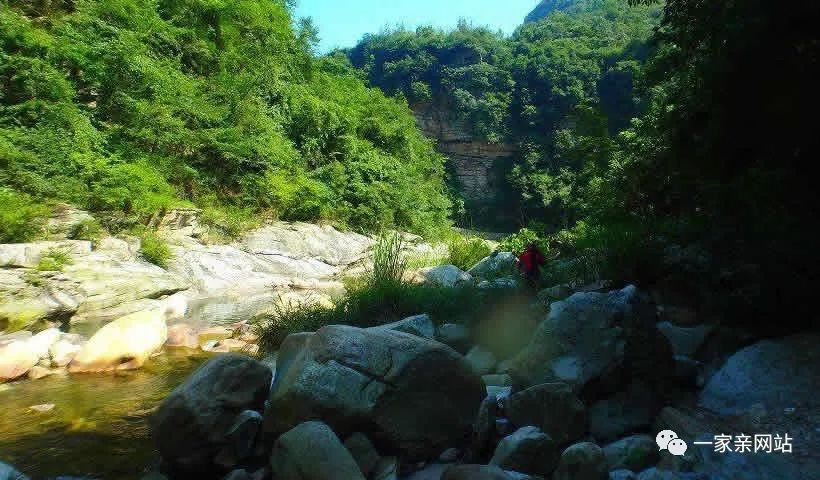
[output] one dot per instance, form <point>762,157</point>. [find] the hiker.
<point>529,263</point>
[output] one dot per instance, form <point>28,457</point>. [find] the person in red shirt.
<point>530,262</point>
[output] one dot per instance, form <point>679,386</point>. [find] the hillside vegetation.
<point>129,107</point>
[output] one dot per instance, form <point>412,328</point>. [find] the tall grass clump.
<point>389,261</point>
<point>154,249</point>
<point>465,252</point>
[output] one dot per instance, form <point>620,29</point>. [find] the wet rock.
<point>582,461</point>
<point>419,325</point>
<point>42,342</point>
<point>386,469</point>
<point>622,475</point>
<point>484,427</point>
<point>37,372</point>
<point>125,343</point>
<point>632,453</point>
<point>311,451</point>
<point>405,392</point>
<point>64,350</point>
<point>46,407</point>
<point>16,358</point>
<point>214,334</point>
<point>182,335</point>
<point>552,407</point>
<point>481,360</point>
<point>214,412</point>
<point>528,450</point>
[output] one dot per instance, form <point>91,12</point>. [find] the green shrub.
<point>389,263</point>
<point>90,230</point>
<point>227,223</point>
<point>154,249</point>
<point>518,241</point>
<point>292,317</point>
<point>465,252</point>
<point>53,261</point>
<point>21,219</point>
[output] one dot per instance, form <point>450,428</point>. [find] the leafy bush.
<point>53,261</point>
<point>21,218</point>
<point>154,249</point>
<point>465,252</point>
<point>90,230</point>
<point>518,241</point>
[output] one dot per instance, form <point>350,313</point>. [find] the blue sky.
<point>342,23</point>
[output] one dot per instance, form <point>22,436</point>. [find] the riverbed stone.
<point>16,358</point>
<point>582,461</point>
<point>496,265</point>
<point>63,351</point>
<point>626,412</point>
<point>42,342</point>
<point>552,407</point>
<point>405,392</point>
<point>528,450</point>
<point>214,410</point>
<point>311,451</point>
<point>182,335</point>
<point>125,343</point>
<point>685,341</point>
<point>635,453</point>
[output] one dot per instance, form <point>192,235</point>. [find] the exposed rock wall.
<point>473,162</point>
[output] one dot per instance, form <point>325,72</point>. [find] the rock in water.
<point>775,373</point>
<point>552,407</point>
<point>528,450</point>
<point>7,472</point>
<point>125,343</point>
<point>311,451</point>
<point>590,334</point>
<point>200,419</point>
<point>16,358</point>
<point>405,392</point>
<point>582,461</point>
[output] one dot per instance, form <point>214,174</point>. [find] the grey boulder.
<point>528,450</point>
<point>582,461</point>
<point>404,392</point>
<point>311,451</point>
<point>552,407</point>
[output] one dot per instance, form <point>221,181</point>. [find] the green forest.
<point>652,137</point>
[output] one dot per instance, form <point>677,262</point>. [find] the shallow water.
<point>98,426</point>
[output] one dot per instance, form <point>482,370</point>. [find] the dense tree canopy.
<point>134,106</point>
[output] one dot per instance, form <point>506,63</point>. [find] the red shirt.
<point>530,260</point>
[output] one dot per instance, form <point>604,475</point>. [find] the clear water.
<point>98,425</point>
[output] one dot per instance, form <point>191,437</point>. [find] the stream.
<point>98,426</point>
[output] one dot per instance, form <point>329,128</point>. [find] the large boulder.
<point>455,335</point>
<point>552,407</point>
<point>125,343</point>
<point>685,341</point>
<point>404,392</point>
<point>582,461</point>
<point>778,374</point>
<point>363,451</point>
<point>591,334</point>
<point>482,360</point>
<point>496,265</point>
<point>210,417</point>
<point>311,451</point>
<point>528,450</point>
<point>628,411</point>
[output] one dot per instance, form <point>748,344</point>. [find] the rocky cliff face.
<point>475,164</point>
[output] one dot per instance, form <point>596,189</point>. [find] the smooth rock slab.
<point>311,451</point>
<point>16,358</point>
<point>419,325</point>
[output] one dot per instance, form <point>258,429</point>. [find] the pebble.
<point>46,407</point>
